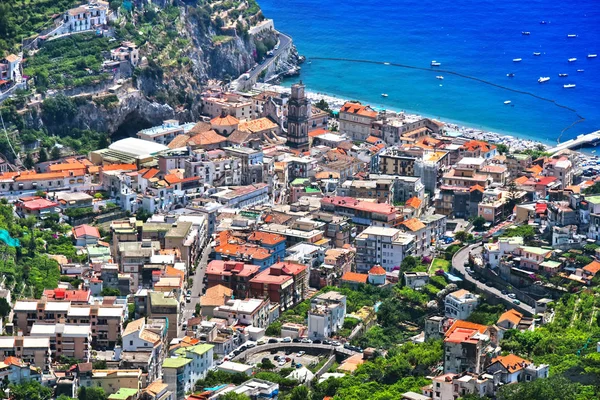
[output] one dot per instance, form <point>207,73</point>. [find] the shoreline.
<point>456,128</point>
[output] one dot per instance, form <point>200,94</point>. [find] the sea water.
<point>478,38</point>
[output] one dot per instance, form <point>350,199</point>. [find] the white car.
<point>282,362</point>
<point>300,353</point>
<point>336,343</point>
<point>512,295</point>
<point>286,340</point>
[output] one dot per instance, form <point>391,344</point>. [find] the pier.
<point>579,141</point>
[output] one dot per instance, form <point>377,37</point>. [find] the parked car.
<point>300,353</point>
<point>512,295</point>
<point>336,343</point>
<point>325,341</point>
<point>316,341</point>
<point>517,302</point>
<point>296,340</point>
<point>306,340</point>
<point>286,340</point>
<point>504,292</point>
<point>273,341</point>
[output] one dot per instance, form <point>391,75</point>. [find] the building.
<point>460,304</point>
<point>356,120</point>
<point>32,350</point>
<point>512,319</point>
<point>228,104</point>
<point>465,345</point>
<point>415,280</point>
<point>85,235</point>
<point>453,386</point>
<point>361,212</point>
<point>84,18</point>
<point>377,276</point>
<point>297,120</point>
<point>201,361</point>
<point>143,346</point>
<point>66,340</point>
<point>35,206</point>
<point>113,380</point>
<point>17,371</point>
<point>326,315</point>
<point>215,296</point>
<point>165,133</point>
<point>512,369</point>
<point>284,283</point>
<point>162,305</point>
<point>254,312</point>
<point>234,275</point>
<point>561,168</point>
<point>382,246</point>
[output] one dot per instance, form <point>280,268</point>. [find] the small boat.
<point>572,59</point>
<point>511,75</point>
<point>507,102</point>
<point>563,75</point>
<point>386,63</point>
<point>543,22</point>
<point>441,78</point>
<point>569,86</point>
<point>592,55</point>
<point>435,63</point>
<point>571,35</point>
<point>537,53</point>
<point>579,70</point>
<point>525,33</point>
<point>517,59</point>
<point>384,95</point>
<point>543,79</point>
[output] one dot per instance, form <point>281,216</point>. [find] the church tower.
<point>298,112</point>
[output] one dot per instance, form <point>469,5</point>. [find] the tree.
<point>478,223</point>
<point>42,155</point>
<point>266,363</point>
<point>234,396</point>
<point>55,153</point>
<point>30,390</point>
<point>91,393</point>
<point>107,291</point>
<point>461,236</point>
<point>502,148</point>
<point>299,393</point>
<point>4,307</point>
<point>29,162</point>
<point>555,388</point>
<point>408,264</point>
<point>274,329</point>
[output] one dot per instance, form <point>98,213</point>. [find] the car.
<point>512,295</point>
<point>517,302</point>
<point>273,341</point>
<point>325,341</point>
<point>236,352</point>
<point>189,292</point>
<point>483,281</point>
<point>296,340</point>
<point>336,343</point>
<point>188,299</point>
<point>504,292</point>
<point>250,345</point>
<point>276,358</point>
<point>260,342</point>
<point>300,353</point>
<point>347,346</point>
<point>306,340</point>
<point>316,341</point>
<point>282,362</point>
<point>286,340</point>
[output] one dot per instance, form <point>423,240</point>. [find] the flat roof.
<point>137,147</point>
<point>176,362</point>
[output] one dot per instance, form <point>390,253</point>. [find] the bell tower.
<point>298,112</point>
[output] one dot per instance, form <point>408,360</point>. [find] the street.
<point>458,262</point>
<point>197,287</point>
<point>284,42</point>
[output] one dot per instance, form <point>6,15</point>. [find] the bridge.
<point>309,348</point>
<point>579,141</point>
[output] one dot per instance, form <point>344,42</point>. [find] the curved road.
<point>307,347</point>
<point>284,42</point>
<point>458,262</point>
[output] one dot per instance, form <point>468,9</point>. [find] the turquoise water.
<point>475,38</point>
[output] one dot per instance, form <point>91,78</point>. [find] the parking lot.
<point>305,359</point>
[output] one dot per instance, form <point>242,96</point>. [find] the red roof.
<point>266,238</point>
<point>81,296</point>
<point>357,108</point>
<point>546,180</point>
<point>279,273</point>
<point>351,202</point>
<point>85,230</point>
<point>228,268</point>
<point>355,277</point>
<point>38,204</point>
<point>541,208</point>
<point>377,270</point>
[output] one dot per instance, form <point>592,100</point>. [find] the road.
<point>308,348</point>
<point>197,287</point>
<point>458,262</point>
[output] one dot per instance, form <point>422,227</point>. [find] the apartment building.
<point>382,246</point>
<point>163,305</point>
<point>144,346</point>
<point>465,345</point>
<point>166,132</point>
<point>249,312</point>
<point>361,212</point>
<point>356,120</point>
<point>284,283</point>
<point>66,340</point>
<point>326,315</point>
<point>32,350</point>
<point>185,367</point>
<point>460,304</point>
<point>113,380</point>
<point>234,275</point>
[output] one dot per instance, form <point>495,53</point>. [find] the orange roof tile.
<point>473,145</point>
<point>266,238</point>
<point>592,267</point>
<point>377,270</point>
<point>172,179</point>
<point>477,187</point>
<point>257,125</point>
<point>414,224</point>
<point>372,139</point>
<point>151,173</point>
<point>521,180</point>
<point>460,324</point>
<point>355,277</point>
<point>66,167</point>
<point>511,315</point>
<point>357,108</point>
<point>413,202</point>
<point>227,120</point>
<point>85,230</point>
<point>119,167</point>
<point>511,362</point>
<point>317,132</point>
<point>206,138</point>
<point>179,141</point>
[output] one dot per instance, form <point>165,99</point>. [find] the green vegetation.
<point>72,61</point>
<point>555,388</point>
<point>486,314</point>
<point>91,393</point>
<point>525,231</point>
<point>221,39</point>
<point>439,263</point>
<point>535,153</point>
<point>30,390</point>
<point>21,19</point>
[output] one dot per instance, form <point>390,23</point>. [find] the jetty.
<point>579,141</point>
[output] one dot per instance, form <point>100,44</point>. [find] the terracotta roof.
<point>494,169</point>
<point>33,176</point>
<point>151,173</point>
<point>477,187</point>
<point>511,362</point>
<point>257,125</point>
<point>592,267</point>
<point>119,167</point>
<point>355,277</point>
<point>327,175</point>
<point>179,141</point>
<point>172,179</point>
<point>511,315</point>
<point>521,180</point>
<point>215,296</point>
<point>318,132</point>
<point>357,108</point>
<point>11,58</point>
<point>227,120</point>
<point>460,324</point>
<point>66,167</point>
<point>473,145</point>
<point>38,204</point>
<point>413,202</point>
<point>11,360</point>
<point>266,238</point>
<point>377,270</point>
<point>414,224</point>
<point>460,293</point>
<point>133,326</point>
<point>85,230</point>
<point>372,139</point>
<point>228,268</point>
<point>206,138</point>
<point>199,128</point>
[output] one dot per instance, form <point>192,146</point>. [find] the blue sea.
<point>479,38</point>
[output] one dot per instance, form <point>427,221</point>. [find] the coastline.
<point>455,128</point>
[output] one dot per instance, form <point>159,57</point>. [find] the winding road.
<point>458,262</point>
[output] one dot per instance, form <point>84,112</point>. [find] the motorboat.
<point>525,33</point>
<point>517,59</point>
<point>511,75</point>
<point>572,59</point>
<point>384,95</point>
<point>571,35</point>
<point>386,63</point>
<point>507,102</point>
<point>543,22</point>
<point>579,70</point>
<point>543,79</point>
<point>592,55</point>
<point>569,86</point>
<point>537,53</point>
<point>435,63</point>
<point>441,78</point>
<point>563,75</point>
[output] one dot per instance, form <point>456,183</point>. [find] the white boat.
<point>572,59</point>
<point>386,63</point>
<point>563,75</point>
<point>435,63</point>
<point>579,70</point>
<point>571,35</point>
<point>543,22</point>
<point>440,77</point>
<point>507,102</point>
<point>384,95</point>
<point>592,55</point>
<point>569,86</point>
<point>517,59</point>
<point>543,79</point>
<point>511,75</point>
<point>537,53</point>
<point>525,33</point>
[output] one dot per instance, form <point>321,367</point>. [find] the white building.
<point>253,312</point>
<point>460,304</point>
<point>166,132</point>
<point>85,17</point>
<point>382,246</point>
<point>188,365</point>
<point>326,315</point>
